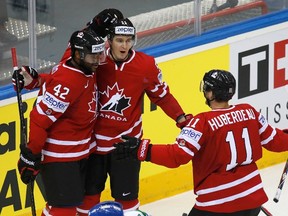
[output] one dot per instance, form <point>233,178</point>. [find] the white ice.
<point>182,203</point>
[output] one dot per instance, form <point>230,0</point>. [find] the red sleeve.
<point>170,106</point>
<point>51,106</point>
<point>272,139</point>
<point>158,91</point>
<point>67,54</point>
<point>276,141</point>
<point>37,137</point>
<point>170,155</point>
<point>43,78</point>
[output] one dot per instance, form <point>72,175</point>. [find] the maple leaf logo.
<point>93,104</point>
<point>113,100</point>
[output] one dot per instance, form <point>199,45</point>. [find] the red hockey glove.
<point>103,20</point>
<point>28,78</point>
<point>28,164</point>
<point>133,148</point>
<point>182,124</point>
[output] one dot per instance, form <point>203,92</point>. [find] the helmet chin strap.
<point>112,55</point>
<point>208,101</point>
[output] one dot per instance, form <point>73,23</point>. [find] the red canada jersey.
<point>224,145</point>
<point>62,121</point>
<point>121,90</point>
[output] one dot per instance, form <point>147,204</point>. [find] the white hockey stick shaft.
<point>281,183</point>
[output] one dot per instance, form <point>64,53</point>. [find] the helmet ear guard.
<point>222,83</point>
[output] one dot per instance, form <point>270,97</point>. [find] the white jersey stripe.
<point>65,155</point>
<point>230,198</point>
<point>40,111</point>
<point>264,125</point>
<point>228,185</point>
<point>185,149</point>
<point>92,145</point>
<point>67,142</point>
<point>105,149</point>
<point>269,138</point>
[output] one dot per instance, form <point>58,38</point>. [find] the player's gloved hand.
<point>28,164</point>
<point>133,148</point>
<point>183,123</point>
<point>28,78</point>
<point>103,20</point>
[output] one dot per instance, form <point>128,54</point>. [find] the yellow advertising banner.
<point>14,196</point>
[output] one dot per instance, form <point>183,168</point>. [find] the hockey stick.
<point>22,122</point>
<point>265,211</point>
<point>281,183</point>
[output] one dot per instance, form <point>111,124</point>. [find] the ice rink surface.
<point>182,203</point>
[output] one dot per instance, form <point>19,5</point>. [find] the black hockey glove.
<point>28,78</point>
<point>28,164</point>
<point>133,148</point>
<point>103,20</point>
<point>182,124</point>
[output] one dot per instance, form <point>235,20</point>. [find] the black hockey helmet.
<point>103,20</point>
<point>86,42</point>
<point>122,27</point>
<point>222,83</point>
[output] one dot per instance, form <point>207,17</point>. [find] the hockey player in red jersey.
<point>62,124</point>
<point>122,83</point>
<point>223,145</point>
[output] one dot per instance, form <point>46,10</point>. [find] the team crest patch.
<point>48,112</point>
<point>262,120</point>
<point>114,100</point>
<point>182,142</point>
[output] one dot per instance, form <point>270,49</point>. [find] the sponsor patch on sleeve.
<point>190,135</point>
<point>54,103</point>
<point>262,120</point>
